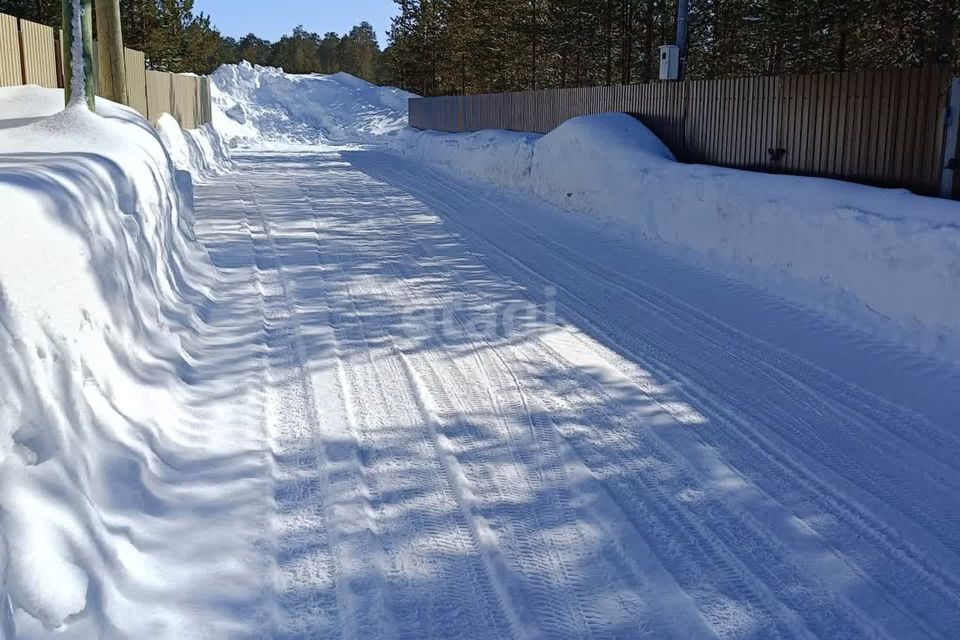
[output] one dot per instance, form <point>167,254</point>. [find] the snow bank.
<point>98,276</point>
<point>255,105</point>
<point>883,258</point>
<point>202,151</point>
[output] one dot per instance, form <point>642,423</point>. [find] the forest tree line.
<point>175,38</point>
<point>471,46</point>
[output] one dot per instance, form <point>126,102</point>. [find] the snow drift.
<point>202,151</point>
<point>883,258</point>
<point>99,279</point>
<point>254,105</point>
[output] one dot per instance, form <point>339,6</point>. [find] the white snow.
<point>101,291</point>
<point>364,382</point>
<point>881,258</point>
<point>256,105</point>
<point>201,152</point>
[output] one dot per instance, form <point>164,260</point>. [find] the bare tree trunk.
<point>626,42</point>
<point>609,42</point>
<point>536,35</point>
<point>946,29</point>
<point>842,47</point>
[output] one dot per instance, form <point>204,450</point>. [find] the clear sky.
<point>271,19</point>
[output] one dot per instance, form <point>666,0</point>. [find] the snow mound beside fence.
<point>884,259</point>
<point>99,279</point>
<point>254,105</point>
<point>200,151</point>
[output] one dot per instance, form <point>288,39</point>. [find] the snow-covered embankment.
<point>884,259</point>
<point>99,278</point>
<point>256,106</point>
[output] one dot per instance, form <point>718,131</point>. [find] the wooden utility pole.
<point>112,72</point>
<point>83,84</point>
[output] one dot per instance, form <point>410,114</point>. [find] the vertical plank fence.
<point>135,66</point>
<point>39,54</point>
<point>159,88</point>
<point>32,53</point>
<point>11,72</point>
<point>884,127</point>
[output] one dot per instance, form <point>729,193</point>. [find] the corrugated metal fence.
<point>879,127</point>
<point>10,69</point>
<point>39,50</point>
<point>32,53</point>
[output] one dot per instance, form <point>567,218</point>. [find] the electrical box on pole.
<point>669,62</point>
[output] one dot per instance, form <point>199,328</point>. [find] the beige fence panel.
<point>39,54</point>
<point>186,100</point>
<point>159,94</point>
<point>133,62</point>
<point>11,71</point>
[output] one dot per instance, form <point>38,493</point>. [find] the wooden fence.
<point>877,127</point>
<point>32,53</point>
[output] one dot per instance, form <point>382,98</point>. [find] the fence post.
<point>950,160</point>
<point>112,72</point>
<point>23,54</point>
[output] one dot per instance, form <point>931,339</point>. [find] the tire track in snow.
<point>386,382</point>
<point>328,583</point>
<point>717,608</point>
<point>644,352</point>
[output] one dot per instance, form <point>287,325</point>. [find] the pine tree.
<point>48,12</point>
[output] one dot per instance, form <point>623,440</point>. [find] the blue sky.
<point>271,19</point>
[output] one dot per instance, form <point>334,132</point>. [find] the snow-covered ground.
<point>883,259</point>
<point>413,385</point>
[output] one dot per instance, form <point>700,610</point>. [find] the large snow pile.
<point>98,276</point>
<point>254,105</point>
<point>883,258</point>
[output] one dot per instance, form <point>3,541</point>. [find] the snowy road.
<point>490,421</point>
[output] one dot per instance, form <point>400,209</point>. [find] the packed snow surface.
<point>256,106</point>
<point>331,391</point>
<point>880,258</point>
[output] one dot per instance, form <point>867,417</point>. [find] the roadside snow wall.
<point>99,278</point>
<point>884,259</point>
<point>254,105</point>
<point>201,151</point>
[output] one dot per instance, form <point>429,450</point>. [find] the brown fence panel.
<point>159,94</point>
<point>135,68</point>
<point>11,71</point>
<point>880,127</point>
<point>39,54</point>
